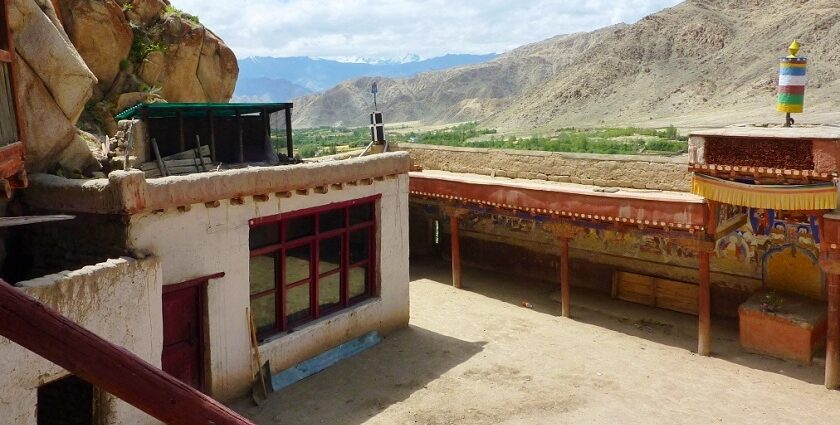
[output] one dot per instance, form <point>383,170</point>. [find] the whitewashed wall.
<point>119,300</point>
<point>202,241</point>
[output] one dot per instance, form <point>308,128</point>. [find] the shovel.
<point>261,385</point>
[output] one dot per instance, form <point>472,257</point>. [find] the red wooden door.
<point>183,332</point>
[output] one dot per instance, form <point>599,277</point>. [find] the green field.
<point>626,140</point>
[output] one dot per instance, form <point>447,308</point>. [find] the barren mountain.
<point>704,61</point>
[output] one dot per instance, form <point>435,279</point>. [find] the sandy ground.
<point>476,356</point>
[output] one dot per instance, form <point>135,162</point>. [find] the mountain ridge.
<point>712,58</point>
<point>313,74</point>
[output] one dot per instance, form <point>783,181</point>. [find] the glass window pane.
<point>263,310</point>
<point>297,264</point>
<point>329,291</point>
<point>329,256</point>
<point>359,246</point>
<point>297,303</point>
<point>358,281</point>
<point>361,213</point>
<point>331,220</point>
<point>300,227</point>
<point>266,235</point>
<point>263,273</point>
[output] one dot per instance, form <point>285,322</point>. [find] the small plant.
<point>172,10</point>
<point>771,302</point>
<point>127,6</point>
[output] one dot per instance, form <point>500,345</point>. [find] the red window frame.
<point>281,286</point>
<point>12,172</point>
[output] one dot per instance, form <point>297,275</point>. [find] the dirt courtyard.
<point>476,356</point>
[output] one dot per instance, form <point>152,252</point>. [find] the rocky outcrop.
<point>56,85</point>
<point>144,12</point>
<point>79,65</point>
<point>101,34</point>
<point>194,65</point>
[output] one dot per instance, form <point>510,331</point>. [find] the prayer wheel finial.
<point>793,49</point>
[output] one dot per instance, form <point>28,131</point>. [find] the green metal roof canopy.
<point>193,110</point>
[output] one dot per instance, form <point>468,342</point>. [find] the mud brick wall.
<point>635,171</point>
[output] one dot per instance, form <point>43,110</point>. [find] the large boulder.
<point>54,85</point>
<point>217,69</point>
<point>51,57</point>
<point>100,33</point>
<point>145,12</point>
<point>49,134</point>
<point>196,66</point>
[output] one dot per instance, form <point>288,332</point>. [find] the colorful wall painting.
<point>781,248</point>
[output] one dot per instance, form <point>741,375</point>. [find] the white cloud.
<point>393,28</point>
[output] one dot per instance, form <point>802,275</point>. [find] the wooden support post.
<point>40,329</point>
<point>454,233</point>
<point>290,151</point>
<point>266,116</point>
<point>241,135</point>
<point>704,306</point>
<point>564,232</point>
<point>212,123</point>
<point>182,142</point>
<point>832,345</point>
<point>564,276</point>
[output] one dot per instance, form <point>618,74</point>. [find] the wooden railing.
<point>38,328</point>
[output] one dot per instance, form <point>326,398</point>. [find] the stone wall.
<point>119,300</point>
<point>636,171</point>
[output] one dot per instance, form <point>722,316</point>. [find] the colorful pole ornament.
<point>792,80</point>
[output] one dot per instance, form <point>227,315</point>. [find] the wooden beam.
<point>704,306</point>
<point>182,141</point>
<point>832,345</point>
<point>38,328</point>
<point>290,150</point>
<point>564,276</point>
<point>241,137</point>
<point>24,220</point>
<point>212,123</point>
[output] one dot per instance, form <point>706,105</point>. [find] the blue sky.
<point>346,29</point>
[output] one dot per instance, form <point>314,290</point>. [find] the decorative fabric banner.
<point>777,197</point>
<point>792,80</point>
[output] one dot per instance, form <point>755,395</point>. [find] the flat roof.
<point>677,210</point>
<point>191,110</point>
<point>820,132</point>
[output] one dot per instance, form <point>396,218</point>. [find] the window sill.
<point>332,316</point>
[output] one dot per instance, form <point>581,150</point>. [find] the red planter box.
<point>793,333</point>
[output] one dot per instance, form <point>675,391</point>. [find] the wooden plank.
<point>23,220</point>
<point>146,166</point>
<point>188,154</point>
<point>636,288</point>
<point>160,163</point>
<point>676,296</point>
<point>38,328</point>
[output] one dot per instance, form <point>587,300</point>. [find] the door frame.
<point>202,283</point>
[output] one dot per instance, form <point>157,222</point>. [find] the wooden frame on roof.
<point>12,148</point>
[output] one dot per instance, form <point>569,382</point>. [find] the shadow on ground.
<point>356,389</point>
<point>598,309</point>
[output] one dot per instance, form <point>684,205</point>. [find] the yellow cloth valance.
<point>778,197</point>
